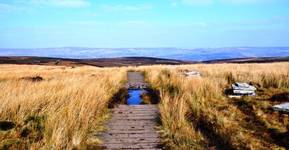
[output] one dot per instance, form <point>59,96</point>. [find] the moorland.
<point>58,107</point>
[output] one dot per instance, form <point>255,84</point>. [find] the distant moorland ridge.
<point>125,61</point>
<point>184,54</point>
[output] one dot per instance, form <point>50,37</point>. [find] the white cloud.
<point>8,8</point>
<point>246,1</point>
<point>126,8</point>
<point>197,2</point>
<point>233,2</point>
<point>62,3</point>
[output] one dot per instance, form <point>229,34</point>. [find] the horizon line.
<point>148,47</point>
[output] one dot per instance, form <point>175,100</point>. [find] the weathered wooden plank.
<point>137,106</point>
<point>132,122</point>
<point>131,132</point>
<point>136,109</point>
<point>135,115</point>
<point>131,145</point>
<point>132,140</point>
<point>136,112</point>
<point>126,135</point>
<point>132,127</point>
<point>134,118</point>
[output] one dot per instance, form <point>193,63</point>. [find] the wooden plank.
<point>132,122</point>
<point>135,112</point>
<point>126,135</point>
<point>132,140</point>
<point>137,106</point>
<point>131,132</point>
<point>135,115</point>
<point>134,118</point>
<point>132,127</point>
<point>135,109</point>
<point>131,145</point>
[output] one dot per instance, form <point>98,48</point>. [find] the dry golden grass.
<point>59,112</point>
<point>196,113</point>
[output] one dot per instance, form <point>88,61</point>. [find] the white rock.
<point>243,86</point>
<point>282,107</point>
<point>244,92</point>
<point>192,74</point>
<point>243,89</point>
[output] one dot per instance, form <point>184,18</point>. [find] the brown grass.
<point>59,112</point>
<point>196,114</point>
<point>62,110</point>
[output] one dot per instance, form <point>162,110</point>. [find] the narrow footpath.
<point>133,126</point>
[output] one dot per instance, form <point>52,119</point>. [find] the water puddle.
<point>135,97</point>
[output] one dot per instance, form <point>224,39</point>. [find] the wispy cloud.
<point>248,1</point>
<point>8,8</point>
<point>197,2</point>
<point>28,5</point>
<point>233,2</point>
<point>61,3</point>
<point>126,8</point>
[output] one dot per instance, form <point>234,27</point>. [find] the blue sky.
<point>143,23</point>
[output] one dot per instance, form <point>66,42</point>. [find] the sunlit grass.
<point>63,110</point>
<point>60,111</point>
<point>198,109</point>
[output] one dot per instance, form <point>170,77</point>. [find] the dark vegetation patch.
<point>151,96</point>
<point>228,91</point>
<point>33,78</point>
<point>281,138</point>
<point>119,97</point>
<point>280,97</point>
<point>31,130</point>
<point>6,125</point>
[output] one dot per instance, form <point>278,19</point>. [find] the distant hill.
<point>102,62</point>
<point>198,54</point>
<point>251,60</point>
<point>125,61</point>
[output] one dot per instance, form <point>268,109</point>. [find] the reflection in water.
<point>134,97</point>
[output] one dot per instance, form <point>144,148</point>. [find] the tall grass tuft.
<point>58,112</point>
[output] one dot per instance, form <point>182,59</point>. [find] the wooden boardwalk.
<point>132,127</point>
<point>135,81</point>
